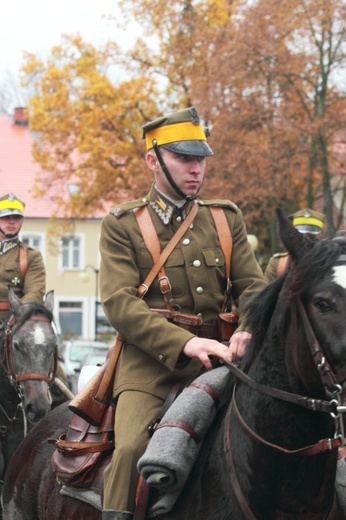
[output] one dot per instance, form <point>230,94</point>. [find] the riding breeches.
<point>134,413</point>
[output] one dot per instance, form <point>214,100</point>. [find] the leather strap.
<point>182,426</point>
<point>23,260</point>
<point>226,243</point>
<point>110,370</point>
<point>4,306</point>
<point>225,236</point>
<point>150,236</point>
<point>208,389</point>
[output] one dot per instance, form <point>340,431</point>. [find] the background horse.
<point>28,361</point>
<point>271,452</point>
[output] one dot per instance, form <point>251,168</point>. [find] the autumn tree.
<point>88,127</point>
<point>263,75</point>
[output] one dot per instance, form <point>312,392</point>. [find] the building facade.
<point>72,262</point>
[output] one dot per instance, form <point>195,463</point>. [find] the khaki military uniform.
<point>149,363</point>
<point>28,288</point>
<point>276,266</point>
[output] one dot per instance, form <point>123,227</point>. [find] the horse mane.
<point>303,273</point>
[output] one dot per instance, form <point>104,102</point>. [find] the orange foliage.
<point>261,73</point>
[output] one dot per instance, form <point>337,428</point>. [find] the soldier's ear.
<point>152,160</point>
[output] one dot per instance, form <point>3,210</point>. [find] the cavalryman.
<point>158,353</point>
<point>21,267</point>
<point>305,221</point>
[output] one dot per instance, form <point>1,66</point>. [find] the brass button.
<point>162,358</point>
<point>186,242</point>
<point>178,219</point>
<point>199,290</point>
<point>196,263</point>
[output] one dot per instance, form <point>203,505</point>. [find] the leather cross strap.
<point>152,242</point>
<point>23,260</point>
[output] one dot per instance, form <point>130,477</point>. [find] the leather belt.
<point>209,330</point>
<point>4,306</point>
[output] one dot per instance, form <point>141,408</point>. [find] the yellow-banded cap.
<point>11,205</point>
<point>180,132</point>
<point>308,221</point>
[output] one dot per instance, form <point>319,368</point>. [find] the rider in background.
<point>21,267</point>
<point>306,221</point>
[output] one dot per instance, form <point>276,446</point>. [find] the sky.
<point>37,25</point>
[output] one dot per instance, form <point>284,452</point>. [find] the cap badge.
<point>194,116</point>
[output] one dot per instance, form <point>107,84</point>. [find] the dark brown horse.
<point>271,452</point>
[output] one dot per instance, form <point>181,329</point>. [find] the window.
<point>71,252</point>
<point>70,318</point>
<point>34,240</point>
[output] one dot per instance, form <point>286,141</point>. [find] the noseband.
<point>8,360</point>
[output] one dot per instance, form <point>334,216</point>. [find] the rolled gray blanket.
<point>171,453</point>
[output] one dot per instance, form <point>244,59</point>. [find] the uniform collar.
<point>7,245</point>
<point>167,209</point>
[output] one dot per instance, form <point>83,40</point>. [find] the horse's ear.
<point>13,299</point>
<point>291,238</point>
<point>49,301</point>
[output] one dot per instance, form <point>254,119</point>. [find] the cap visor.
<point>7,212</point>
<point>200,148</point>
<point>313,230</point>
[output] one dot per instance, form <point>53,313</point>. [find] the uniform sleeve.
<point>35,279</point>
<point>246,274</point>
<point>128,314</point>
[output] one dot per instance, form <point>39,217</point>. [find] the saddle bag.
<point>82,449</point>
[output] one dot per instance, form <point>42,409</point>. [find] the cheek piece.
<point>169,176</point>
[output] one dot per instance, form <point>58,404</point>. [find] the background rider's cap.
<point>11,205</point>
<point>308,221</point>
<point>180,132</point>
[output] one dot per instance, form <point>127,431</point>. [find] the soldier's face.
<point>10,226</point>
<point>187,172</point>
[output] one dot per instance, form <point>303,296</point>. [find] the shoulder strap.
<point>150,237</point>
<point>226,243</point>
<point>225,237</point>
<point>23,260</point>
<point>282,265</point>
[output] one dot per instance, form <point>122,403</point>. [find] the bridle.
<point>8,362</point>
<point>331,380</point>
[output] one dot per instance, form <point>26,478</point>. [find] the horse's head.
<point>29,353</point>
<point>315,286</point>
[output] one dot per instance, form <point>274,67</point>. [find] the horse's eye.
<point>323,306</point>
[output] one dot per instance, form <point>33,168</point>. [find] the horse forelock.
<point>27,311</point>
<point>311,268</point>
